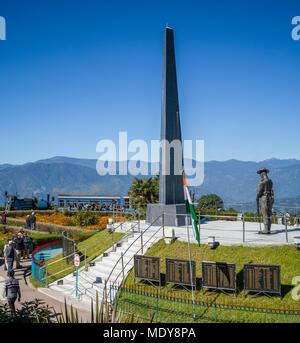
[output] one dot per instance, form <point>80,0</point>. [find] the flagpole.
<point>191,269</point>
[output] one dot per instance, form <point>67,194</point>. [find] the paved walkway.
<point>29,293</point>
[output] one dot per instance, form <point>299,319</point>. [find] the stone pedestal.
<point>171,214</point>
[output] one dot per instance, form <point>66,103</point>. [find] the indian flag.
<point>190,209</point>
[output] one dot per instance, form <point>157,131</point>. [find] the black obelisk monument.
<point>171,197</point>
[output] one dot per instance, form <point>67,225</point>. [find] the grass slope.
<point>286,256</point>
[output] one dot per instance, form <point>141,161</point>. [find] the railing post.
<point>46,275</point>
<point>163,224</point>
<point>85,257</point>
<point>105,293</point>
<point>142,243</point>
<point>139,220</point>
<point>286,231</point>
<point>199,219</point>
<point>122,265</point>
<point>243,228</point>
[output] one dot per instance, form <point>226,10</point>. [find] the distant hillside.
<point>235,181</point>
<point>40,178</point>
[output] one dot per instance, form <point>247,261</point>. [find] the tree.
<point>210,201</point>
<point>144,191</point>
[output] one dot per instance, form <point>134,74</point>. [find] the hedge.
<point>16,229</point>
<point>45,227</point>
<point>43,239</point>
<point>40,239</point>
<point>24,213</point>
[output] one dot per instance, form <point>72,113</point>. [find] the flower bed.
<point>99,222</point>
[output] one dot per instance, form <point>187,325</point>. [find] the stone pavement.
<point>29,293</point>
<point>231,233</point>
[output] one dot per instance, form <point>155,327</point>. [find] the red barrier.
<point>41,263</point>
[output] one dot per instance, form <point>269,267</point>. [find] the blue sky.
<point>73,72</point>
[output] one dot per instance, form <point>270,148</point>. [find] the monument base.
<point>173,214</point>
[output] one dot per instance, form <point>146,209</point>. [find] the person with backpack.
<point>4,256</point>
<point>10,256</point>
<point>19,247</point>
<point>12,290</point>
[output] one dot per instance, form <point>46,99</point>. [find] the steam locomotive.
<point>14,203</point>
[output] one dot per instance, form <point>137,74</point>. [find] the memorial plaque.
<point>147,267</point>
<point>178,271</point>
<point>262,278</point>
<point>219,275</point>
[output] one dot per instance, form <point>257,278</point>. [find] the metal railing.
<point>83,251</point>
<point>157,306</point>
<point>128,233</point>
<point>68,246</point>
<point>283,220</point>
<point>121,259</point>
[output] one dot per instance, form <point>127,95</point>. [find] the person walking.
<point>3,219</point>
<point>12,290</point>
<point>26,239</point>
<point>19,246</point>
<point>28,222</point>
<point>10,256</point>
<point>33,221</point>
<point>4,255</point>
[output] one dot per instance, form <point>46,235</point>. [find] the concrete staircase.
<point>108,266</point>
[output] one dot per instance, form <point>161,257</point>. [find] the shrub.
<point>45,227</point>
<point>43,239</point>
<point>3,229</point>
<point>31,312</point>
<point>81,218</point>
<point>2,243</point>
<point>21,213</point>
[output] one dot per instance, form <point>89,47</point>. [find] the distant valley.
<point>235,181</point>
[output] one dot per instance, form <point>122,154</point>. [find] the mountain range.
<point>233,180</point>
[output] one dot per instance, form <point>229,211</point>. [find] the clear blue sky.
<point>73,72</point>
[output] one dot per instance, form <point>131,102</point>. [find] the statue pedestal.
<point>171,214</point>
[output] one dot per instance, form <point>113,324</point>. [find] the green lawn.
<point>96,245</point>
<point>134,301</point>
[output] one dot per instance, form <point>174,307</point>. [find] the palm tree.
<point>144,191</point>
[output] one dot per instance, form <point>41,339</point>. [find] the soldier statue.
<point>265,199</point>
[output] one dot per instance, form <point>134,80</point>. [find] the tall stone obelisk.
<point>171,197</point>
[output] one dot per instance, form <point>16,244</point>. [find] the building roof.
<point>74,196</point>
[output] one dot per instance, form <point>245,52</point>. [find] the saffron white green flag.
<point>190,209</point>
